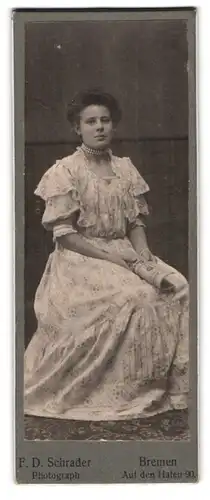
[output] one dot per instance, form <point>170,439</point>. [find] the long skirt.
<point>108,345</point>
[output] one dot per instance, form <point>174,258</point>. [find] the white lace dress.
<point>108,345</point>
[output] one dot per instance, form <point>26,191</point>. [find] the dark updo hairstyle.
<point>93,96</point>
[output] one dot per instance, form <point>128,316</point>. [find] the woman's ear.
<point>77,129</point>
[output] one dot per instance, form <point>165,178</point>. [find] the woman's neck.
<point>94,152</point>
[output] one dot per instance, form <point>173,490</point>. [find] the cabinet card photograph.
<point>106,293</point>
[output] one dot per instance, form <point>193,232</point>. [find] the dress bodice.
<point>104,205</point>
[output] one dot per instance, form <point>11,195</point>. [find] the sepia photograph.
<point>106,232</point>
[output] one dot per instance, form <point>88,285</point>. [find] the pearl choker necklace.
<point>96,152</point>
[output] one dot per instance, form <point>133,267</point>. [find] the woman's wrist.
<point>145,254</point>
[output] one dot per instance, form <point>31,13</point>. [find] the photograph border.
<point>109,458</point>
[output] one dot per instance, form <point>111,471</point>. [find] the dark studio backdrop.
<point>144,64</point>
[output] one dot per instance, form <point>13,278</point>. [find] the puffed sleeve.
<point>138,207</point>
<point>58,188</point>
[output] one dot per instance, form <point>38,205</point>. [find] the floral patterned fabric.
<point>108,346</point>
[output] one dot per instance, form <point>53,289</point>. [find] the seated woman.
<point>112,335</point>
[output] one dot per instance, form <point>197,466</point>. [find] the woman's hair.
<point>93,96</point>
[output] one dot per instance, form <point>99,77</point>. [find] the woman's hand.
<point>116,259</point>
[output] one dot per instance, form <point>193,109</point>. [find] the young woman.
<point>109,343</point>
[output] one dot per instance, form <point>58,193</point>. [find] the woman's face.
<point>95,126</point>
